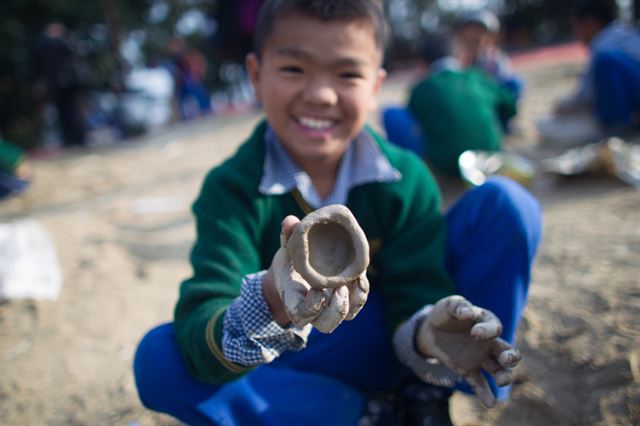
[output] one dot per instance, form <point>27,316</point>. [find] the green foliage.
<point>538,21</point>
<point>90,30</point>
<point>21,22</point>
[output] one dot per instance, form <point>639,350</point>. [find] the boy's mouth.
<point>315,123</point>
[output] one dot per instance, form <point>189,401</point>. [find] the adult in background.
<point>56,77</point>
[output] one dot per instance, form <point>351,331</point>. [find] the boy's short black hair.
<point>605,11</point>
<point>325,10</point>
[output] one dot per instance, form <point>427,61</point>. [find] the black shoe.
<point>423,404</point>
<point>380,411</point>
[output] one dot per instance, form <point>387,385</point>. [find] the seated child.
<point>608,97</point>
<point>456,110</point>
<point>232,357</point>
<point>14,170</point>
<point>476,34</point>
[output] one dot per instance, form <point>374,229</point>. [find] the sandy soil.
<point>69,362</point>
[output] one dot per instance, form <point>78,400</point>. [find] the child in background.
<point>455,109</point>
<point>476,35</point>
<point>232,357</point>
<point>14,170</point>
<point>609,92</point>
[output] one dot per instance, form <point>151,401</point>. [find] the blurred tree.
<point>409,21</point>
<point>529,22</point>
<point>142,30</point>
<point>95,30</point>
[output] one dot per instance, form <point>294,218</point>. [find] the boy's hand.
<point>325,308</point>
<point>23,171</point>
<point>465,338</point>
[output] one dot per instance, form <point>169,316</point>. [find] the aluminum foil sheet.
<point>477,166</point>
<point>577,160</point>
<point>626,160</point>
<point>614,155</point>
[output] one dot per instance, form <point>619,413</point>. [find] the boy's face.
<point>472,38</point>
<point>317,82</point>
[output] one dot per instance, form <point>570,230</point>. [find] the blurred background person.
<point>15,172</point>
<point>57,79</point>
<point>611,82</point>
<point>450,111</point>
<point>476,35</point>
<point>607,100</point>
<point>188,67</point>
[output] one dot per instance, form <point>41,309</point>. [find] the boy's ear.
<point>253,69</point>
<point>380,77</point>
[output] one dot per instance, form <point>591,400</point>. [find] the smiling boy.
<point>317,99</point>
<point>232,357</point>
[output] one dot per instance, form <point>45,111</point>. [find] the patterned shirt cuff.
<point>250,335</point>
<point>429,370</point>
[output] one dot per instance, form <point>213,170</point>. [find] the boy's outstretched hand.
<point>465,338</point>
<point>291,298</point>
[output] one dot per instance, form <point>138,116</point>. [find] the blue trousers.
<point>494,231</point>
<point>616,79</point>
<point>403,130</point>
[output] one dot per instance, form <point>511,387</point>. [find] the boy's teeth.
<point>315,123</point>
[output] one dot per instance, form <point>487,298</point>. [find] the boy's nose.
<point>320,92</point>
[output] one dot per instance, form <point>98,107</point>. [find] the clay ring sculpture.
<point>328,248</point>
<point>321,269</point>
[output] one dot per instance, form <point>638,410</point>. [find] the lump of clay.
<point>321,274</point>
<point>328,248</point>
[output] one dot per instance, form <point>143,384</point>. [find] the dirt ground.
<point>120,220</point>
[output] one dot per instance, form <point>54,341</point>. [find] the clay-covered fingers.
<point>451,310</point>
<point>505,353</point>
<point>481,388</point>
<point>307,308</point>
<point>502,375</point>
<point>502,360</point>
<point>358,293</point>
<point>288,223</point>
<point>342,303</point>
<point>335,310</point>
<point>301,303</point>
<point>487,326</point>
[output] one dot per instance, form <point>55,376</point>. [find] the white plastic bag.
<point>29,267</point>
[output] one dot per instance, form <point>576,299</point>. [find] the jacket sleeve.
<point>506,102</point>
<point>225,250</point>
<point>10,156</point>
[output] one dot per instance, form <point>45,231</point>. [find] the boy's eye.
<point>350,75</point>
<point>291,69</point>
